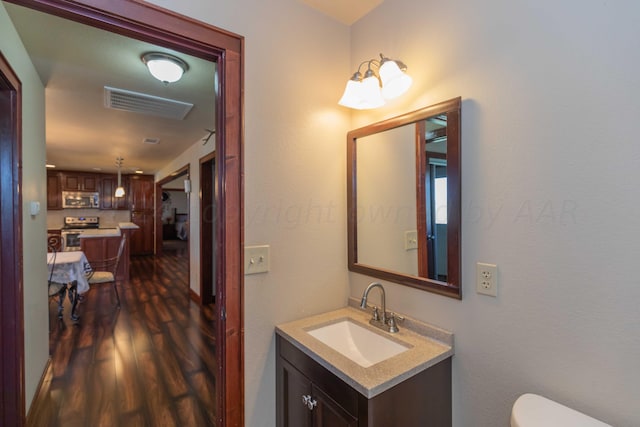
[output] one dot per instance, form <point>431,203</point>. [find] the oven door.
<point>71,239</point>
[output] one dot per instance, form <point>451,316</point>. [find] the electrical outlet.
<point>487,279</point>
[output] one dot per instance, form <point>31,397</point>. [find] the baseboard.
<point>195,297</point>
<point>43,388</point>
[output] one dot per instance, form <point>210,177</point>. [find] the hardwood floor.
<point>151,363</point>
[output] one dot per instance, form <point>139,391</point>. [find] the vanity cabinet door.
<point>292,410</point>
<point>328,413</point>
<point>308,394</point>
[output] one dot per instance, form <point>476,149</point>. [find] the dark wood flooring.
<point>151,363</point>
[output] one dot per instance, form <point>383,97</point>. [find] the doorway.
<point>155,25</point>
<point>209,238</point>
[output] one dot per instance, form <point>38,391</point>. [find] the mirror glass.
<point>404,199</point>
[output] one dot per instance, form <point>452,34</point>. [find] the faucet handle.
<point>376,314</point>
<point>393,319</point>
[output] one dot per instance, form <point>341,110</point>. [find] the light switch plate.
<point>256,259</point>
<point>411,240</point>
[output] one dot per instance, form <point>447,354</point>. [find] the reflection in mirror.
<point>404,199</point>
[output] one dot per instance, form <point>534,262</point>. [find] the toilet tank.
<point>531,410</point>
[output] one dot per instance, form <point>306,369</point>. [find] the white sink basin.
<point>359,344</point>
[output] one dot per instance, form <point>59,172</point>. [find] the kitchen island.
<point>103,243</point>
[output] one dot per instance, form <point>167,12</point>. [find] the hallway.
<point>151,363</point>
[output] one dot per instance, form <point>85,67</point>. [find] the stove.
<point>81,222</point>
<point>73,227</point>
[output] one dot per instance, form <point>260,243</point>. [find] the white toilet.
<point>531,410</point>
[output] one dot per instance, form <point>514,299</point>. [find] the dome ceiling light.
<point>164,67</point>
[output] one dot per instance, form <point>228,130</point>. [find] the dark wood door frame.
<point>153,24</point>
<point>12,409</point>
<point>207,223</point>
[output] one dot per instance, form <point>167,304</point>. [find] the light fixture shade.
<point>187,186</point>
<point>119,192</point>
<point>371,95</point>
<point>394,81</point>
<point>352,94</point>
<point>164,67</point>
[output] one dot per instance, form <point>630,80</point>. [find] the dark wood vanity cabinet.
<point>308,395</point>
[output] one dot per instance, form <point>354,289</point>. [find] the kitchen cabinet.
<point>309,395</point>
<point>141,189</point>
<point>54,191</point>
<point>108,200</point>
<point>72,181</point>
<point>141,203</point>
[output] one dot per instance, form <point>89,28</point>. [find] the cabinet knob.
<point>309,401</point>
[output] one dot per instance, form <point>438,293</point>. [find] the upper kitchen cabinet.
<point>72,181</point>
<point>108,186</point>
<point>54,191</point>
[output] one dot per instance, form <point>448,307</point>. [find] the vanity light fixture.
<point>164,67</point>
<point>372,90</point>
<point>120,188</point>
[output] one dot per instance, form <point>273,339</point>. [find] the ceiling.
<point>75,62</point>
<point>345,11</point>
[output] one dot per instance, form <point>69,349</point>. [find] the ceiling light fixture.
<point>164,67</point>
<point>372,90</point>
<point>120,189</point>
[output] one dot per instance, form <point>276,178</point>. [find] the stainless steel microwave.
<point>80,199</point>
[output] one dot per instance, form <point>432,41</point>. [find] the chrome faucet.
<point>386,321</point>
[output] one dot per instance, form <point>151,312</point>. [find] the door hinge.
<point>223,313</point>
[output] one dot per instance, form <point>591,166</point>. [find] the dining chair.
<point>55,289</point>
<point>55,242</point>
<point>105,271</point>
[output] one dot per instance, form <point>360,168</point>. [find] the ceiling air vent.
<point>151,141</point>
<point>126,100</point>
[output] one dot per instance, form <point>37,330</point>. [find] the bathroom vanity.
<point>320,384</point>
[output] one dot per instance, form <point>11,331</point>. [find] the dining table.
<point>69,274</point>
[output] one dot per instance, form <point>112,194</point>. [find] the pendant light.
<point>120,188</point>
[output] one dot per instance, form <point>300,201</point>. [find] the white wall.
<point>550,162</point>
<point>36,320</point>
<point>297,61</point>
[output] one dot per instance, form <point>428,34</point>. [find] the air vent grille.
<point>126,100</point>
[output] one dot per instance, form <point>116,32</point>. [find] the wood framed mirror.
<point>404,199</point>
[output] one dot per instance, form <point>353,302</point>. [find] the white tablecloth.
<point>70,266</point>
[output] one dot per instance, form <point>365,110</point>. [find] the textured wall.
<point>550,169</point>
<point>296,63</point>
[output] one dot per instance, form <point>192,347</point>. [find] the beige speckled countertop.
<point>428,346</point>
<point>108,232</point>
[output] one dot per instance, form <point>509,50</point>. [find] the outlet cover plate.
<point>487,279</point>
